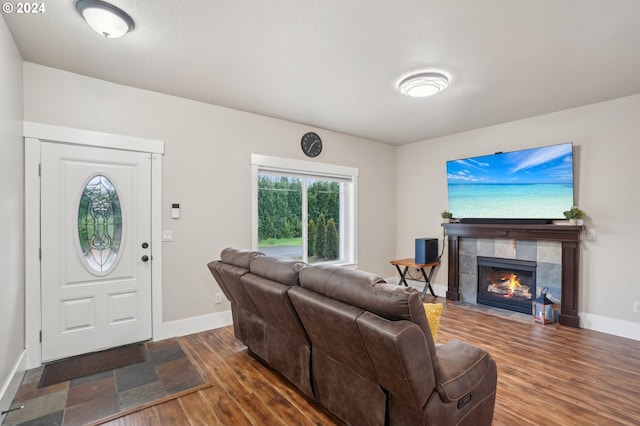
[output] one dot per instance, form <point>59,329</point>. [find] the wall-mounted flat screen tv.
<point>534,183</point>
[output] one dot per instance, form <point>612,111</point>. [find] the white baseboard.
<point>193,325</point>
<point>616,327</point>
<point>12,383</point>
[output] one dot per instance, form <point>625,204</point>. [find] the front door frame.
<point>37,133</point>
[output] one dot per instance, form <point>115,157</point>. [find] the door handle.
<point>145,258</point>
<point>145,245</point>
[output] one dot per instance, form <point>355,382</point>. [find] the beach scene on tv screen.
<point>534,183</point>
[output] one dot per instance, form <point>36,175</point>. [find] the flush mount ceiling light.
<point>423,84</point>
<point>104,18</point>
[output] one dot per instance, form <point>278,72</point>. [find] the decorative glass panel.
<point>100,224</point>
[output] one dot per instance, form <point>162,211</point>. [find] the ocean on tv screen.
<point>534,183</point>
<point>510,201</point>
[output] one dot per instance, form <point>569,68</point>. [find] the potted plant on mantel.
<point>574,215</point>
<point>446,216</point>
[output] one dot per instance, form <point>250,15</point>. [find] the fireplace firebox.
<point>506,283</point>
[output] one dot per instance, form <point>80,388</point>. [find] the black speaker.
<point>426,250</point>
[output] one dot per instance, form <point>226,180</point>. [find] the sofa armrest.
<point>459,368</point>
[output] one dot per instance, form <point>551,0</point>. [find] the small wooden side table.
<point>411,263</point>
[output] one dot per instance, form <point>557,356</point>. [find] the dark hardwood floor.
<point>547,375</point>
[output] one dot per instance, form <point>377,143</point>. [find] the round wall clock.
<point>311,144</point>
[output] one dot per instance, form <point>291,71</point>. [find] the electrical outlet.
<point>636,306</point>
<point>591,234</point>
<point>218,297</point>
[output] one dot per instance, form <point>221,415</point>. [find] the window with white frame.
<point>304,210</point>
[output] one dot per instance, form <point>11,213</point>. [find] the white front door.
<point>95,248</point>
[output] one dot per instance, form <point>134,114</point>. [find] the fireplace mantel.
<point>568,235</point>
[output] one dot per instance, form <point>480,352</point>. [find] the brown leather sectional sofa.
<point>357,345</point>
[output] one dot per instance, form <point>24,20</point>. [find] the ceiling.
<point>335,64</point>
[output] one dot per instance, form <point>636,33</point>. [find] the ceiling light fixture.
<point>423,84</point>
<point>104,18</point>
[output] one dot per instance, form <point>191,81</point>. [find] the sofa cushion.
<point>329,279</point>
<point>273,304</point>
<point>284,271</point>
<point>400,354</point>
<point>369,292</point>
<point>332,328</point>
<point>236,257</point>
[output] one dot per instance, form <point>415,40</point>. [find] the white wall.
<point>607,151</point>
<point>11,212</point>
<point>207,170</point>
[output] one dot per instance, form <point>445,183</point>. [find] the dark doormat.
<point>88,364</point>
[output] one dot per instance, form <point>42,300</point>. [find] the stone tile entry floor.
<point>166,371</point>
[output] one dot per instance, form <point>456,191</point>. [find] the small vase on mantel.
<point>574,216</point>
<point>447,217</point>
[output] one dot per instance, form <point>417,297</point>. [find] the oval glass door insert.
<point>100,224</point>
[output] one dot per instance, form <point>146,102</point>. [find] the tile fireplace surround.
<point>568,236</point>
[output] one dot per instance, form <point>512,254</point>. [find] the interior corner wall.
<point>12,314</point>
<point>206,169</point>
<point>606,151</point>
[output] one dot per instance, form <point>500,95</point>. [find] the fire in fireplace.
<point>506,283</point>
